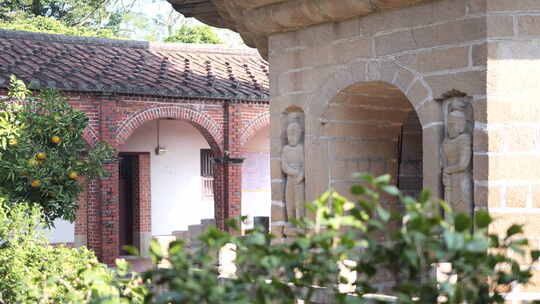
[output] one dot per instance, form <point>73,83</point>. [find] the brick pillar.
<point>219,200</point>
<point>230,168</point>
<point>108,187</point>
<point>93,230</point>
<point>81,221</point>
<point>143,208</point>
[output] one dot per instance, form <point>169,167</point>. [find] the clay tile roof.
<point>85,64</point>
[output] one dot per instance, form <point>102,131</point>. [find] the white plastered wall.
<point>256,190</point>
<point>63,232</point>
<point>175,176</point>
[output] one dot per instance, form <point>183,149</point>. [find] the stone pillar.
<point>507,131</point>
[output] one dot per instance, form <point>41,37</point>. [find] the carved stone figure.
<point>292,164</point>
<point>457,155</point>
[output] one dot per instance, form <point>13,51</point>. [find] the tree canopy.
<point>53,26</point>
<point>195,34</point>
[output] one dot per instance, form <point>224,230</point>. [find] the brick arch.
<point>202,122</point>
<point>255,125</point>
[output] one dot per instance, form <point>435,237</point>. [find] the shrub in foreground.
<point>32,271</point>
<point>474,265</point>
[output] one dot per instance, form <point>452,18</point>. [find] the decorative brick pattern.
<point>202,122</point>
<point>260,122</point>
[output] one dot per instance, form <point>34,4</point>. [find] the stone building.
<point>188,122</point>
<point>441,94</point>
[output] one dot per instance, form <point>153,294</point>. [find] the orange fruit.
<point>32,162</point>
<point>56,139</point>
<point>36,183</point>
<point>13,142</point>
<point>41,156</point>
<point>73,175</point>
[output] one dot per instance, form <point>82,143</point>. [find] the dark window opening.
<point>207,169</point>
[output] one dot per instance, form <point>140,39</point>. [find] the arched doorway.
<point>165,176</point>
<point>372,127</point>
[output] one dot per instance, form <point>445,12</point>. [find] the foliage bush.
<point>195,34</point>
<point>358,236</point>
<point>43,153</point>
<point>32,271</point>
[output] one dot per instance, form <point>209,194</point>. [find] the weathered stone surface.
<point>277,213</point>
<point>418,94</point>
<point>457,154</point>
<point>479,55</point>
<point>500,26</point>
<point>293,166</point>
<point>529,25</point>
<point>507,167</point>
<point>504,5</point>
<point>487,196</point>
<point>257,20</point>
<point>472,83</point>
<point>536,196</point>
<point>437,60</point>
<point>516,196</point>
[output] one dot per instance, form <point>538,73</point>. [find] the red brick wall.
<point>114,118</point>
<point>145,221</point>
<point>226,125</point>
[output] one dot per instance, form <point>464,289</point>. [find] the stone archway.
<point>372,127</point>
<point>409,83</point>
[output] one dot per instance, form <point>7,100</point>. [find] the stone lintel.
<point>255,20</point>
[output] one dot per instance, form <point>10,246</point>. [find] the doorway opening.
<point>127,196</point>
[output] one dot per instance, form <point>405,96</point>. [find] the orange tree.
<point>43,153</point>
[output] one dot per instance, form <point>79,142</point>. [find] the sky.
<point>149,13</point>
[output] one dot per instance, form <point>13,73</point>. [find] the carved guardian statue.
<point>457,154</point>
<point>292,165</point>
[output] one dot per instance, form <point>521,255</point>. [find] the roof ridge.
<point>135,44</point>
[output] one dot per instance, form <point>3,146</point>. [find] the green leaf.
<point>424,196</point>
<point>383,214</point>
<point>392,190</point>
<point>482,219</point>
<point>535,255</point>
<point>382,180</point>
<point>478,245</point>
<point>454,240</point>
<point>513,230</point>
<point>462,222</point>
<point>358,190</point>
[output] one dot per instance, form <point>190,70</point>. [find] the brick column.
<point>108,187</point>
<point>219,200</point>
<point>143,208</point>
<point>230,168</point>
<point>93,226</point>
<point>81,221</point>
